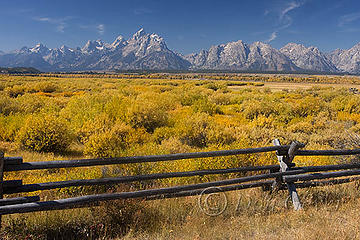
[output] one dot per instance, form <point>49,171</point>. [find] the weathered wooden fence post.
<point>285,162</point>
<point>1,178</point>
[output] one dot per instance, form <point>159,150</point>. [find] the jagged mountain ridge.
<point>347,60</point>
<point>141,51</point>
<point>241,56</point>
<point>149,52</point>
<point>308,58</point>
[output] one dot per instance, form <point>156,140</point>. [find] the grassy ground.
<point>329,212</point>
<point>143,115</point>
<point>280,86</point>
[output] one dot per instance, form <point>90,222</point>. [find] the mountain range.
<point>145,51</point>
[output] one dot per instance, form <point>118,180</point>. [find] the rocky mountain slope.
<point>142,51</point>
<point>308,58</point>
<point>145,51</point>
<point>347,60</point>
<point>241,56</point>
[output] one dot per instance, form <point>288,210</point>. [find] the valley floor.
<point>133,115</point>
<point>280,86</point>
<point>323,221</point>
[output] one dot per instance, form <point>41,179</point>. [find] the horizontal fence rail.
<point>11,165</point>
<point>12,201</point>
<point>13,160</point>
<point>307,177</point>
<point>54,205</point>
<point>284,175</point>
<point>127,179</point>
<point>144,193</point>
<point>212,190</point>
<point>18,188</point>
<point>136,159</point>
<point>328,152</point>
<point>327,182</point>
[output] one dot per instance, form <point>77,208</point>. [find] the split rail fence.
<point>284,175</point>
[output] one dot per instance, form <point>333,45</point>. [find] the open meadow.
<point>72,116</point>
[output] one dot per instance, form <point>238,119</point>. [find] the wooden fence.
<point>284,175</point>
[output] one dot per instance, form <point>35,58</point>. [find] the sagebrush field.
<point>63,116</point>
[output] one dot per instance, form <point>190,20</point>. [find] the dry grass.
<point>280,86</point>
<point>247,117</point>
<point>316,223</point>
<point>329,213</point>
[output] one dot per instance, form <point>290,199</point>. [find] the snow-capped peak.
<point>309,58</point>
<point>356,47</point>
<point>40,48</point>
<point>119,42</point>
<point>156,37</point>
<point>139,34</point>
<point>93,46</point>
<point>64,49</point>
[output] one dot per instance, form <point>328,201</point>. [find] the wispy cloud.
<point>17,11</point>
<point>61,28</point>
<point>100,28</point>
<point>59,23</point>
<point>24,10</point>
<point>350,30</point>
<point>284,18</point>
<point>348,19</point>
<point>180,37</point>
<point>42,19</point>
<point>141,11</point>
<point>291,6</point>
<point>272,37</point>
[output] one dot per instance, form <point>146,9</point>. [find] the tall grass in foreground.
<point>53,117</point>
<point>250,214</point>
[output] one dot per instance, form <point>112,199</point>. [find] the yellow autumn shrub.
<point>145,114</point>
<point>44,133</point>
<point>111,142</point>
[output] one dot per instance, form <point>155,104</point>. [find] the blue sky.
<point>187,25</point>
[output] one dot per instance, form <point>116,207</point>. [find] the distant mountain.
<point>18,70</point>
<point>347,60</point>
<point>145,51</point>
<point>308,58</point>
<point>141,51</point>
<point>24,58</point>
<point>40,49</point>
<point>241,56</point>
